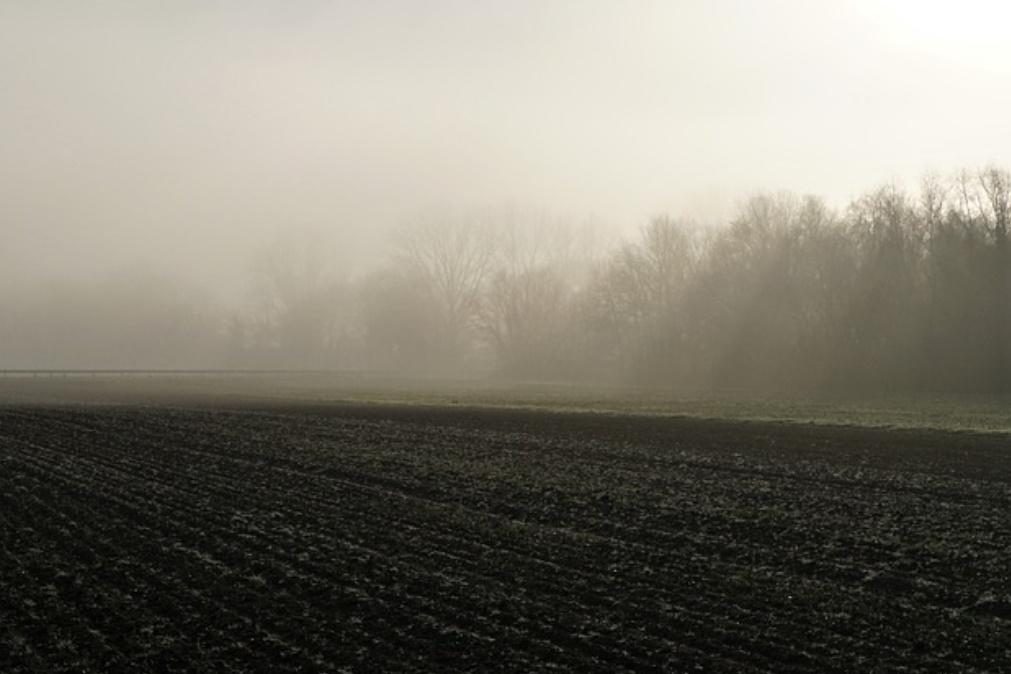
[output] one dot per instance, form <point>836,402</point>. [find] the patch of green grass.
<point>948,412</point>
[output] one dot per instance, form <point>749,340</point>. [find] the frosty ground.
<point>235,533</point>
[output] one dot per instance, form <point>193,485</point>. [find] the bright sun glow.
<point>967,28</point>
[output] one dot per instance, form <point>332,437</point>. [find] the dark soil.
<point>302,537</point>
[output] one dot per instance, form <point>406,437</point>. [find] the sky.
<point>180,136</point>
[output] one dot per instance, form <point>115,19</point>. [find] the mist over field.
<point>776,195</point>
<point>505,336</point>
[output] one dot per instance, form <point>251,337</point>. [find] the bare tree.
<point>933,201</point>
<point>970,210</point>
<point>524,316</point>
<point>525,307</point>
<point>996,186</point>
<point>635,301</point>
<point>452,260</point>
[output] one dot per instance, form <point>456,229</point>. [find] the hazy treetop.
<point>182,134</point>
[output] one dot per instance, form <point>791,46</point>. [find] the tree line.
<point>898,291</point>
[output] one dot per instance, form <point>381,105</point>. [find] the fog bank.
<point>185,141</point>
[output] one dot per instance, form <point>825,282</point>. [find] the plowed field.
<point>394,538</point>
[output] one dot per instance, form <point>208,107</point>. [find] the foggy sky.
<point>180,135</point>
